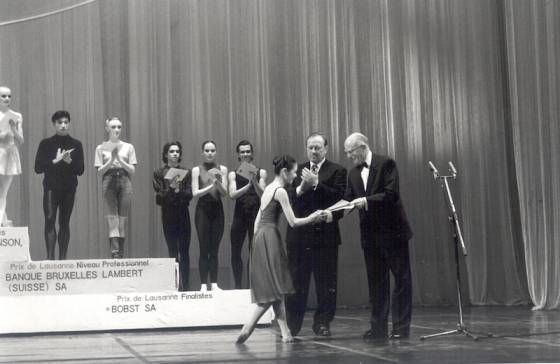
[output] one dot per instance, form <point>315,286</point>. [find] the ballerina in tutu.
<point>11,133</point>
<point>269,276</point>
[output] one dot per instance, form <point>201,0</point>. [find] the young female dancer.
<point>11,133</point>
<point>174,197</point>
<point>209,183</point>
<point>269,276</point>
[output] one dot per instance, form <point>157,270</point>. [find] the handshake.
<point>342,205</point>
<point>321,216</point>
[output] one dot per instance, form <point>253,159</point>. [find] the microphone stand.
<point>458,241</point>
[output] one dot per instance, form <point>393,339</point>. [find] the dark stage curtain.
<point>424,80</point>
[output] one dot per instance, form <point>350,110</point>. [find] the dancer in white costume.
<point>11,133</point>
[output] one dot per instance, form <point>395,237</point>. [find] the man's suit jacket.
<point>329,190</point>
<point>385,220</point>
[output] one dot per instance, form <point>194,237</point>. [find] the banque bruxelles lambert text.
<point>35,279</point>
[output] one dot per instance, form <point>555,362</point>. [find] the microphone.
<point>433,169</point>
<point>453,170</point>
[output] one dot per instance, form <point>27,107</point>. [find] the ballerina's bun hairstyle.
<point>208,141</point>
<point>112,118</point>
<point>283,161</point>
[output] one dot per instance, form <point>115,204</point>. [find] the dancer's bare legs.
<point>280,312</point>
<point>5,183</point>
<point>248,328</point>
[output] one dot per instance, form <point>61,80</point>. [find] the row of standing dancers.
<point>279,276</point>
<point>61,159</point>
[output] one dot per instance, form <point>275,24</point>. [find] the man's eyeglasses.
<point>350,151</point>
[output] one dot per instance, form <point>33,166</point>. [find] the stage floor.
<point>521,336</point>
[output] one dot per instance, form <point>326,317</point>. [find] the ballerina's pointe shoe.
<point>288,339</point>
<point>242,338</point>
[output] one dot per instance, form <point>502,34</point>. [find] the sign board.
<point>14,244</point>
<point>93,312</point>
<point>55,277</point>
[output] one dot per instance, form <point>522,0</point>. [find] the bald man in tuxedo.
<point>373,187</point>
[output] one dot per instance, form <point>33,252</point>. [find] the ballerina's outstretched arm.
<point>282,196</point>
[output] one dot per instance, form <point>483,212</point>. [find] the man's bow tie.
<point>363,165</point>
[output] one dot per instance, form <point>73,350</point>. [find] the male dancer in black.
<point>61,159</point>
<point>247,202</point>
<point>373,187</point>
<point>313,249</point>
<point>174,197</point>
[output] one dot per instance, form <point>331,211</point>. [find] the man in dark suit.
<point>373,187</point>
<point>313,249</point>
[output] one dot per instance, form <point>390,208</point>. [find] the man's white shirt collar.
<point>369,157</point>
<point>365,171</point>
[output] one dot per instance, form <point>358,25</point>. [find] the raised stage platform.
<point>104,294</point>
<point>120,311</point>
